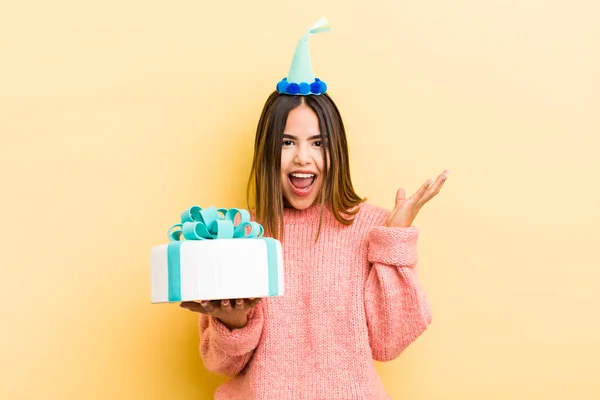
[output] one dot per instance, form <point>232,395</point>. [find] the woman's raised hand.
<point>406,210</point>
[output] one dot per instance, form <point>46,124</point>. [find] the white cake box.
<point>218,260</point>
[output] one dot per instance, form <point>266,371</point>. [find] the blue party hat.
<point>300,79</point>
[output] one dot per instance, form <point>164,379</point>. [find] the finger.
<point>225,305</point>
<point>193,306</point>
<point>421,192</point>
<point>444,176</point>
<point>439,182</point>
<point>435,188</point>
<point>400,196</point>
<point>186,304</point>
<point>207,305</point>
<point>253,302</point>
<point>239,304</point>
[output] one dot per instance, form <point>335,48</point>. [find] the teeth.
<point>303,175</point>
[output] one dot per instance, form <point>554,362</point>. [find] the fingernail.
<point>225,302</point>
<point>239,301</point>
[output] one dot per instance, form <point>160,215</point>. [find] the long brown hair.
<point>265,176</point>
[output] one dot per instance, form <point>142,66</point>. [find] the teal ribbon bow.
<point>210,224</point>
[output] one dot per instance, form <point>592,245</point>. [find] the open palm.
<point>406,210</point>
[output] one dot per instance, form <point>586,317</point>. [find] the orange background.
<point>117,115</point>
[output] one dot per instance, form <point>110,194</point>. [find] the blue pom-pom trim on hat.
<point>293,88</point>
<point>303,88</point>
<point>282,85</point>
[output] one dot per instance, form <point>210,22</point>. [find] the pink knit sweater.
<point>351,298</point>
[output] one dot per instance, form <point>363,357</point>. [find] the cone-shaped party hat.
<point>301,80</point>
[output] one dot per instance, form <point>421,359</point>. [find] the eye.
<point>318,143</point>
<point>287,143</point>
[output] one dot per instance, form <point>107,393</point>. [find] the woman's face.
<point>302,156</point>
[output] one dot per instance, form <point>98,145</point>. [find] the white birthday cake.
<point>216,254</point>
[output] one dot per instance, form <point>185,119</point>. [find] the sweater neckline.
<point>312,212</point>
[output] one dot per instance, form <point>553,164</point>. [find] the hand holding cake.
<point>232,313</point>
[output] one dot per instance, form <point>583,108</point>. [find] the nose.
<point>302,156</point>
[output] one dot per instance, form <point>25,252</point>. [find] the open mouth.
<point>302,182</point>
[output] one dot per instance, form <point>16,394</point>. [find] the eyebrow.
<point>287,136</point>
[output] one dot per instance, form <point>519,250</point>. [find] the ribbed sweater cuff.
<point>393,246</point>
<point>241,341</point>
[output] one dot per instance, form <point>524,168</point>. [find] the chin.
<point>299,202</point>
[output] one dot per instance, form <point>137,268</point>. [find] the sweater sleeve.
<point>395,303</point>
<point>227,352</point>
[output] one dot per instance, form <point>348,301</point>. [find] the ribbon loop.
<point>191,214</point>
<point>175,232</point>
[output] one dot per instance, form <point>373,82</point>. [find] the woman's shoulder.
<point>372,208</point>
<point>371,214</point>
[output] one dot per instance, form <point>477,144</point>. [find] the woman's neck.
<point>314,211</point>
